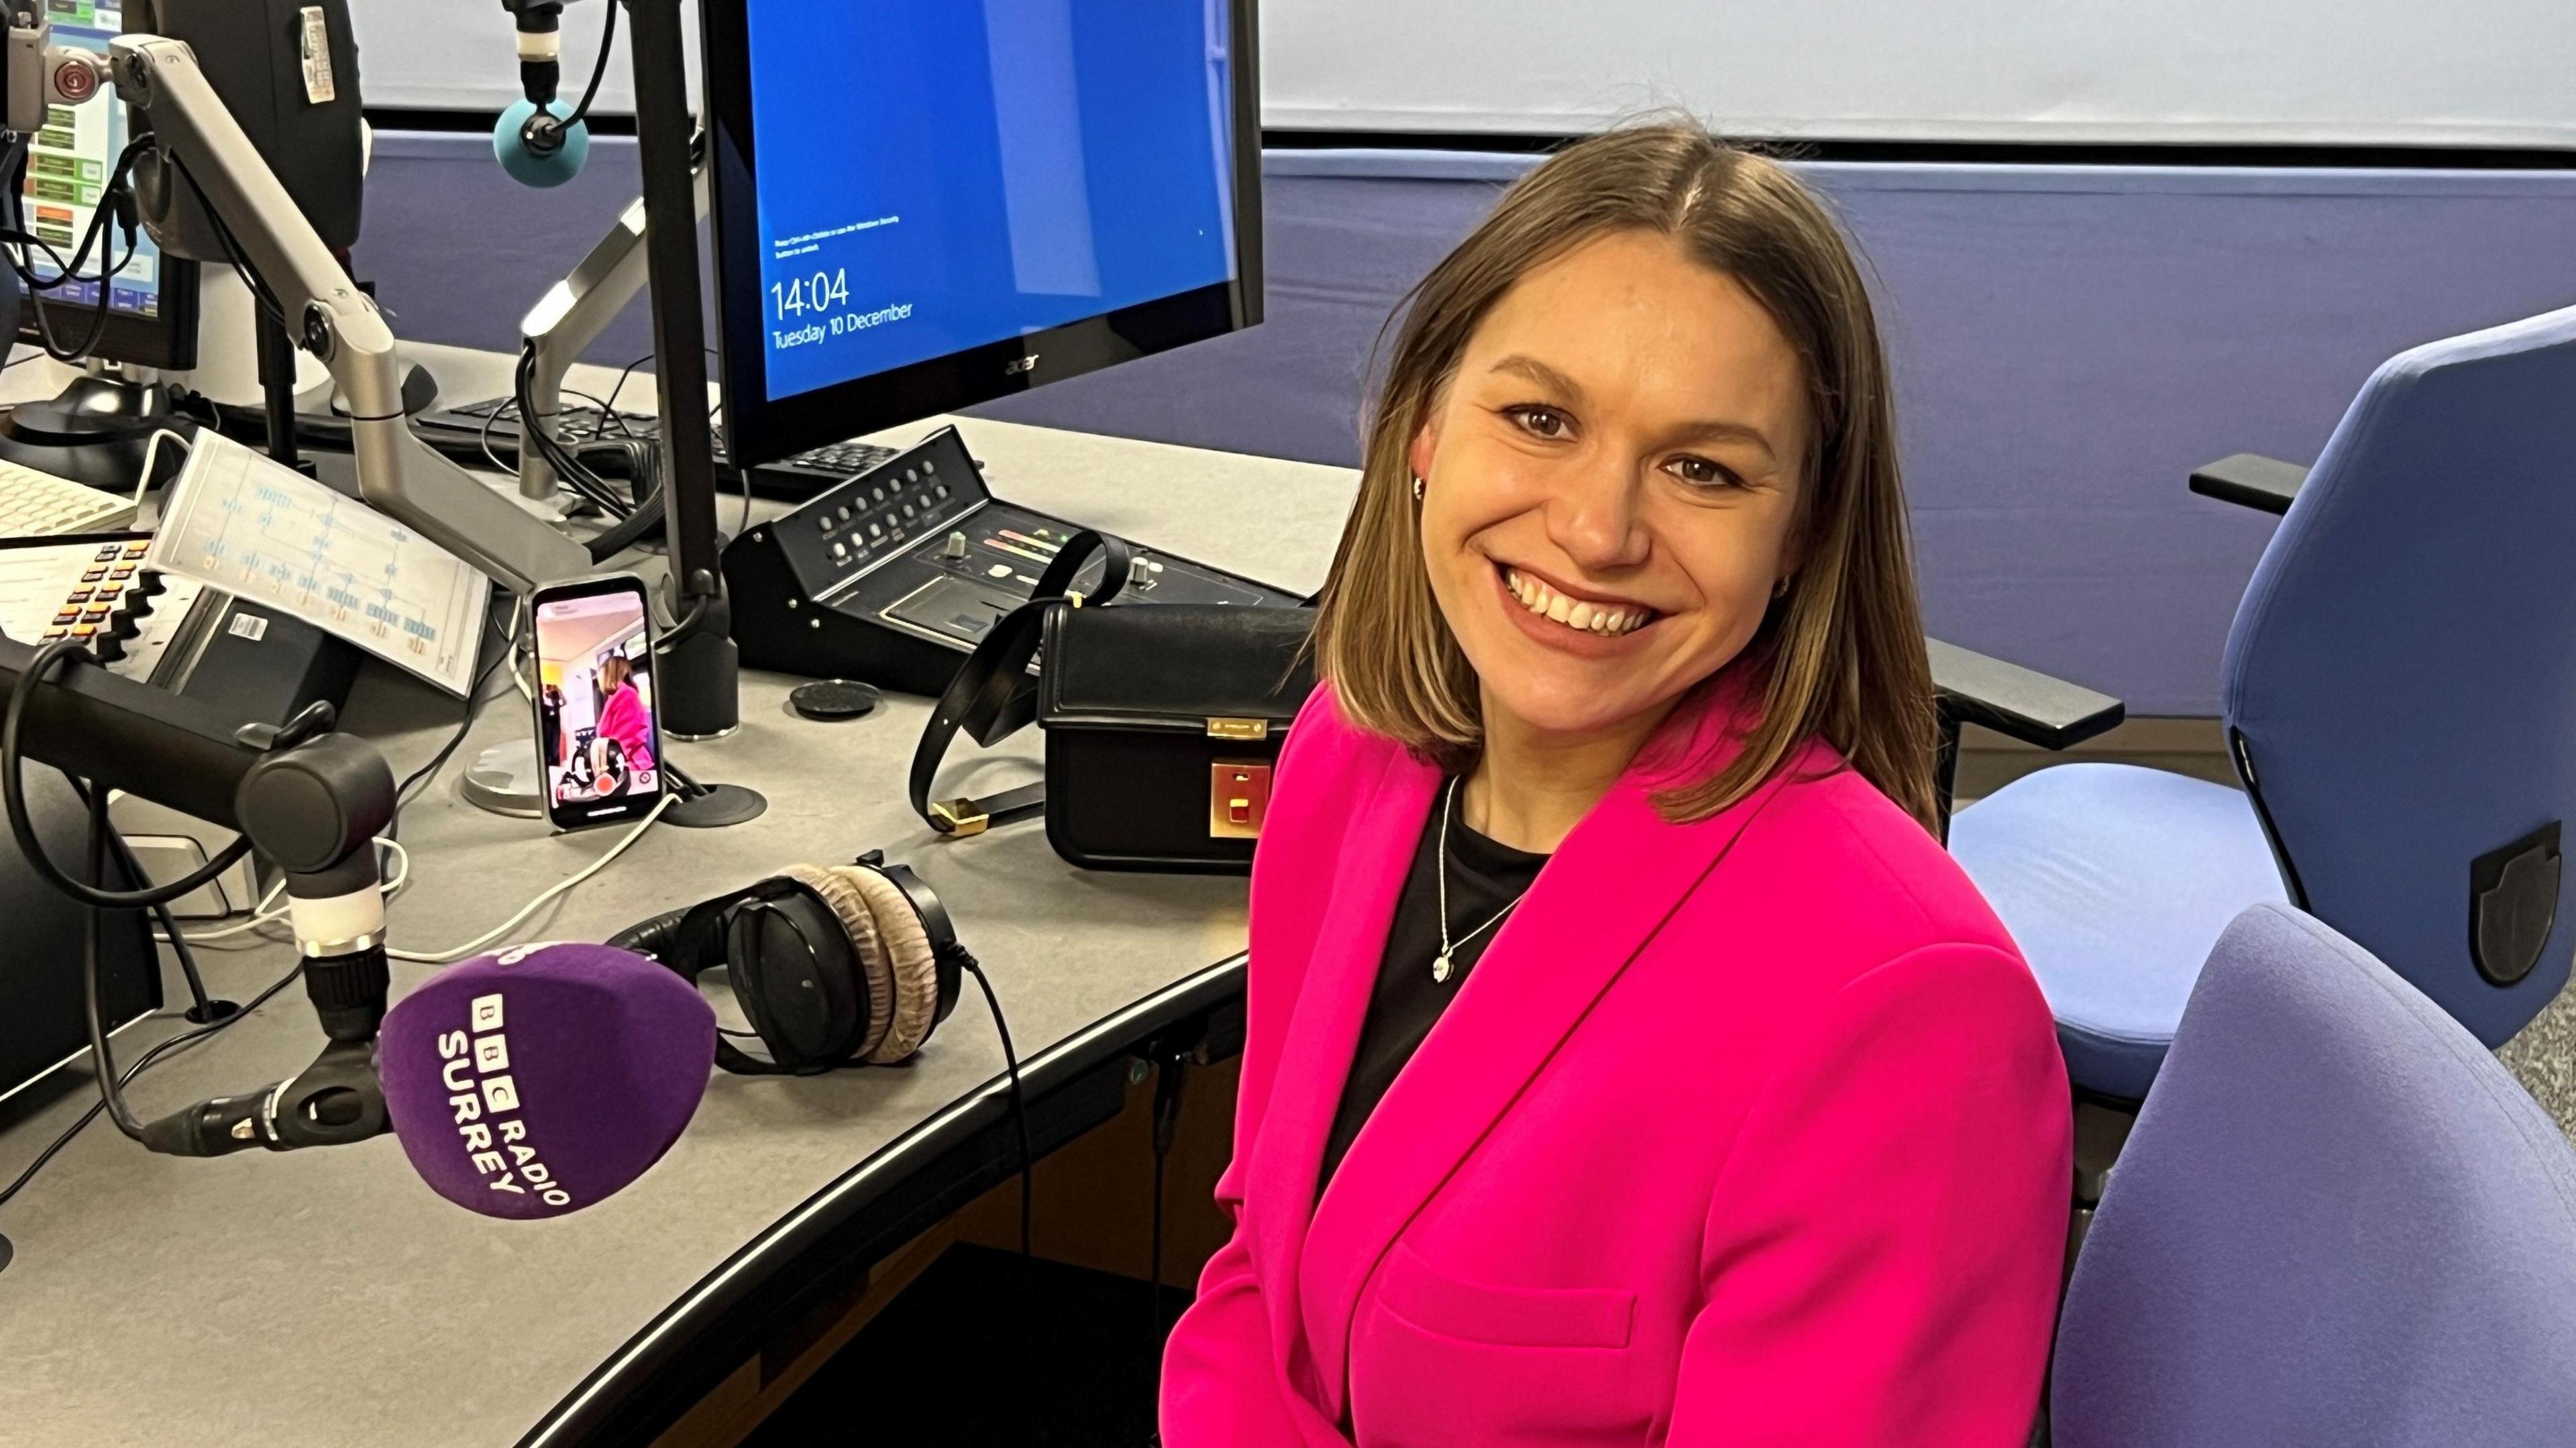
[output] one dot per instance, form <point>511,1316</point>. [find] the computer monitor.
<point>922,204</point>
<point>152,303</point>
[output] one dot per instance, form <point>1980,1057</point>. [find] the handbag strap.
<point>991,696</point>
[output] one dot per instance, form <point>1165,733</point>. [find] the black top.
<point>1483,877</point>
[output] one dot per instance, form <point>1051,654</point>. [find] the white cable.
<point>151,451</point>
<point>442,957</point>
<point>402,866</point>
<point>261,914</point>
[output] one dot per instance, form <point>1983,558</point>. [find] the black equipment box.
<point>894,576</point>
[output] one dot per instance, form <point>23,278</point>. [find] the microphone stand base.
<point>506,780</point>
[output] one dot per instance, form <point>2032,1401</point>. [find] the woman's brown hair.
<point>1841,656</point>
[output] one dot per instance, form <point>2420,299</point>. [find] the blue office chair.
<point>2338,1221</point>
<point>2400,702</point>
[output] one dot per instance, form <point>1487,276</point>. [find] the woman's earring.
<point>1417,487</point>
<point>1781,588</point>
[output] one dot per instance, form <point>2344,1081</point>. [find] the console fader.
<point>894,576</point>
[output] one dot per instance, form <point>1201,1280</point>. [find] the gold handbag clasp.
<point>1238,797</point>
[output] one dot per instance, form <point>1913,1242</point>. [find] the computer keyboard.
<point>37,504</point>
<point>580,424</point>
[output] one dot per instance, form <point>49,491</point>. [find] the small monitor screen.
<point>67,166</point>
<point>929,177</point>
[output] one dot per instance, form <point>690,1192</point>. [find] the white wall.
<point>463,55</point>
<point>2441,72</point>
<point>2361,72</point>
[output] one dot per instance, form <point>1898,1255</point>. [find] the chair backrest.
<point>2401,676</point>
<point>2338,1221</point>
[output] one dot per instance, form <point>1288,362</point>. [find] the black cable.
<point>265,299</point>
<point>107,276</point>
<point>13,792</point>
<point>598,67</point>
<point>619,387</point>
<point>176,1043</point>
<point>207,1008</point>
<point>483,435</point>
<point>111,1092</point>
<point>53,346</point>
<point>687,625</point>
<point>98,221</point>
<point>534,433</point>
<point>689,787</point>
<point>115,198</point>
<point>475,699</point>
<point>647,517</point>
<point>610,415</point>
<point>1026,1317</point>
<point>133,870</point>
<point>1019,1101</point>
<point>609,411</point>
<point>590,397</point>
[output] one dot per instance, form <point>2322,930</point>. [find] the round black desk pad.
<point>833,700</point>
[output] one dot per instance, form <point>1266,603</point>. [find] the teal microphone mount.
<point>538,140</point>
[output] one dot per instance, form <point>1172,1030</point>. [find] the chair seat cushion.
<point>2116,880</point>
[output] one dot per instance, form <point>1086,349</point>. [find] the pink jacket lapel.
<point>1315,1058</point>
<point>1608,889</point>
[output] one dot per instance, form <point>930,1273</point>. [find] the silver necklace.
<point>1443,967</point>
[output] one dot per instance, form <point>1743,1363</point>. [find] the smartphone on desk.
<point>599,730</point>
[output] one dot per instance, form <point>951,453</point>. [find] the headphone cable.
<point>1027,1315</point>
<point>1019,1098</point>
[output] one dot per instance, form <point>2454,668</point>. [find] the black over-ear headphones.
<point>834,965</point>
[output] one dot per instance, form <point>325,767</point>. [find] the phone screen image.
<point>599,736</point>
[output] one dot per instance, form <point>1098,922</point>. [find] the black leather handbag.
<point>1163,722</point>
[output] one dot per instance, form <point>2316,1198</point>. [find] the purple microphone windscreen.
<point>535,1081</point>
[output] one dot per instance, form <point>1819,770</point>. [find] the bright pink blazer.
<point>1748,1131</point>
<point>623,720</point>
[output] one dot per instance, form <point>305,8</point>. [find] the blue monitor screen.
<point>935,175</point>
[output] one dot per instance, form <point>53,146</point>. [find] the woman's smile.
<point>1620,453</point>
<point>1584,622</point>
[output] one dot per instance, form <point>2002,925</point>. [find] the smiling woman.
<point>1625,1062</point>
<point>1651,379</point>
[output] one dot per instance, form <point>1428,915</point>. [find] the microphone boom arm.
<point>311,800</point>
<point>324,312</point>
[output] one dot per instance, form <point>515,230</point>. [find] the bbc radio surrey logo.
<point>485,1099</point>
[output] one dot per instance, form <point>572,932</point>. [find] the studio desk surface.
<point>326,1297</point>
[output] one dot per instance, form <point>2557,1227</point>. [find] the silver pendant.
<point>1440,969</point>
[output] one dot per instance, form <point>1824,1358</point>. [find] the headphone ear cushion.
<point>859,921</point>
<point>909,959</point>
